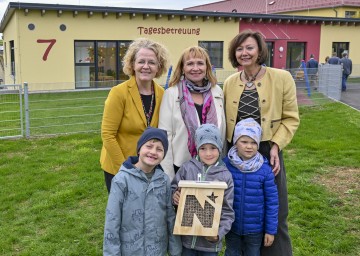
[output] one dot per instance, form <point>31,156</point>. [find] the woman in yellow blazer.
<point>269,96</point>
<point>132,105</point>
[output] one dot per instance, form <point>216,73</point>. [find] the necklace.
<point>150,112</point>
<point>250,82</point>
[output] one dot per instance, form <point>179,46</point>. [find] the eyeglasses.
<point>150,63</point>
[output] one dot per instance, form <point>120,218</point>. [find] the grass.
<point>53,196</point>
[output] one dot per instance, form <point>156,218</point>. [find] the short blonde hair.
<point>160,51</point>
<point>193,52</point>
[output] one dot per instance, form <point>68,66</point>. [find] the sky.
<point>150,4</point>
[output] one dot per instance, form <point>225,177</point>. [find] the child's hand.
<point>176,196</point>
<point>268,240</point>
<point>213,239</point>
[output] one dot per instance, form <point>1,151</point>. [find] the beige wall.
<point>59,66</point>
<point>351,34</point>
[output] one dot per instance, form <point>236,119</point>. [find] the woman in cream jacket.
<point>192,99</point>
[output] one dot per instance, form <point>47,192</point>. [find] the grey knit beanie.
<point>248,127</point>
<point>208,133</point>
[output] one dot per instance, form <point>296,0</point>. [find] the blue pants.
<point>343,84</point>
<point>246,245</point>
<point>192,252</point>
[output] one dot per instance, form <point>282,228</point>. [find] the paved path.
<point>352,96</point>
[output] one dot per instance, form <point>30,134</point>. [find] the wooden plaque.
<point>199,208</point>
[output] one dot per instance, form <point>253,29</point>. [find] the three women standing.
<point>267,95</point>
<point>193,98</point>
<point>132,105</point>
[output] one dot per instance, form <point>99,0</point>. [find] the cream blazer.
<point>170,119</point>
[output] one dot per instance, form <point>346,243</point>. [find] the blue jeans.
<point>192,252</point>
<point>246,245</point>
<point>343,84</point>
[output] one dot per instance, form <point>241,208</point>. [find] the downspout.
<point>335,12</point>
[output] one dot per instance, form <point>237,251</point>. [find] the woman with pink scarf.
<point>193,98</point>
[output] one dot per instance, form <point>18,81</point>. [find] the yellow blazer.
<point>123,123</point>
<point>277,101</point>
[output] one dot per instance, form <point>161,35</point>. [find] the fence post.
<point>21,110</point>
<point>303,65</point>
<point>168,78</point>
<point>27,116</point>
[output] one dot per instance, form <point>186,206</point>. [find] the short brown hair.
<point>240,38</point>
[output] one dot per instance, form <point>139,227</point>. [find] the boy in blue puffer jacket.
<point>255,193</point>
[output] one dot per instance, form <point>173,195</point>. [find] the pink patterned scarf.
<point>189,113</point>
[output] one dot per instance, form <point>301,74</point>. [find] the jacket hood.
<point>216,168</point>
<point>129,167</point>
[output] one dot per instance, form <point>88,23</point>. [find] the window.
<point>295,54</point>
<point>98,63</point>
<point>340,47</point>
<point>5,54</point>
<point>84,64</point>
<point>350,14</point>
<point>270,48</point>
<point>106,61</point>
<point>215,50</point>
<point>12,58</point>
<point>122,48</point>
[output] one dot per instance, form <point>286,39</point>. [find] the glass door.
<point>295,54</point>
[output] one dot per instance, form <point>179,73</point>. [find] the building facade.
<point>78,47</point>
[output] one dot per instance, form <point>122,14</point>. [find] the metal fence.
<point>42,109</point>
<point>317,86</point>
<point>55,112</point>
<point>11,111</point>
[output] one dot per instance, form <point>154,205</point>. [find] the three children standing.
<point>140,216</point>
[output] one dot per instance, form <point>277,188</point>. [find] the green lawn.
<point>53,195</point>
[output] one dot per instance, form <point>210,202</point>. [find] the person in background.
<point>334,60</point>
<point>140,217</point>
<point>256,211</point>
<point>267,95</point>
<point>327,60</point>
<point>312,69</point>
<point>347,69</point>
<point>132,105</point>
<point>193,98</point>
<point>209,167</point>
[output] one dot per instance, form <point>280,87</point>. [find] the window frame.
<point>209,46</point>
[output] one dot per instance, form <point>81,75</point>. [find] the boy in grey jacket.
<point>209,165</point>
<point>139,215</point>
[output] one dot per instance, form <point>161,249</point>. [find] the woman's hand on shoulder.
<point>274,159</point>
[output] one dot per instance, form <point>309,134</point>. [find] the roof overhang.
<point>170,14</point>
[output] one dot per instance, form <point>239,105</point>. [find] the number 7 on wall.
<point>51,43</point>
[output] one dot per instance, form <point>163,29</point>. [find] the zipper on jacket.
<point>205,170</point>
<point>242,204</point>
<point>193,243</point>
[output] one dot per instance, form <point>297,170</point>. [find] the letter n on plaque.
<point>199,208</point>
